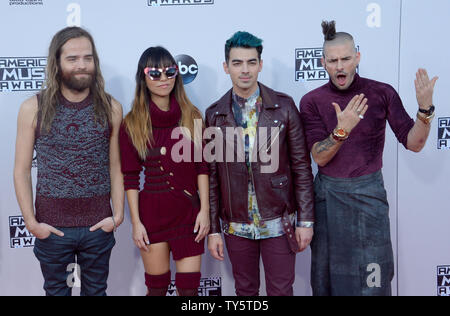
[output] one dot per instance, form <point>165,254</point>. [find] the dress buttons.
<point>171,174</point>
<point>276,105</point>
<point>162,169</point>
<point>163,151</point>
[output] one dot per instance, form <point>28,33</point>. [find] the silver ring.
<point>361,117</point>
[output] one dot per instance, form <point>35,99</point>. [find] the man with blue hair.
<point>259,207</point>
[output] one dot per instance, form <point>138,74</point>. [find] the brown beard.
<point>69,80</point>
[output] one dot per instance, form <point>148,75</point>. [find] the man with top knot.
<point>345,123</point>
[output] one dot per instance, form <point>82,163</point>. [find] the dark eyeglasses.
<point>156,73</point>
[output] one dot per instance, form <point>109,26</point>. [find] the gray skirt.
<point>351,249</point>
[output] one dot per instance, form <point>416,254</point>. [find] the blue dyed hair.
<point>244,40</point>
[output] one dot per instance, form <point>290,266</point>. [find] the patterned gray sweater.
<point>73,186</point>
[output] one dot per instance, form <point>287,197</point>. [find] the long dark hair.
<point>49,96</point>
<point>138,122</point>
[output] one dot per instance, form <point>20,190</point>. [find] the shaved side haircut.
<point>331,37</point>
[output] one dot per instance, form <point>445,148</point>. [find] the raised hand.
<point>353,113</point>
<point>424,89</point>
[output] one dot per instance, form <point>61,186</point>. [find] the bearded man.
<point>73,125</point>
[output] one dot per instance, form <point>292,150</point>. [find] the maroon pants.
<point>278,260</point>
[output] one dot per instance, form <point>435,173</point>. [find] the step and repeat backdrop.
<point>394,37</point>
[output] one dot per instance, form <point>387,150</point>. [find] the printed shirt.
<point>246,113</point>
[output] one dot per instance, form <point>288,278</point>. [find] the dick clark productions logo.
<point>26,2</point>
<point>163,3</point>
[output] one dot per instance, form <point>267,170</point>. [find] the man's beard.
<point>72,83</point>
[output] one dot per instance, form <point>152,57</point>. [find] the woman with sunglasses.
<point>171,213</point>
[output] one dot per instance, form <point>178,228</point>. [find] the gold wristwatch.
<point>340,134</point>
<point>429,115</point>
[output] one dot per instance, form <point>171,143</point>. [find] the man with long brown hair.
<point>73,125</point>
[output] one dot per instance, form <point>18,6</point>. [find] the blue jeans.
<point>57,258</point>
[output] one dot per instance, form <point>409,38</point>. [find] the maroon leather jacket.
<point>287,190</point>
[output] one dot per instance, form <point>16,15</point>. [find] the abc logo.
<point>188,68</point>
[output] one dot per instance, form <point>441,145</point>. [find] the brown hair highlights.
<point>138,122</point>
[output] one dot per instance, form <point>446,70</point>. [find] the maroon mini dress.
<point>169,201</point>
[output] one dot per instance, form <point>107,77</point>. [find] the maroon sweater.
<point>73,181</point>
<point>169,202</point>
<point>362,152</point>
